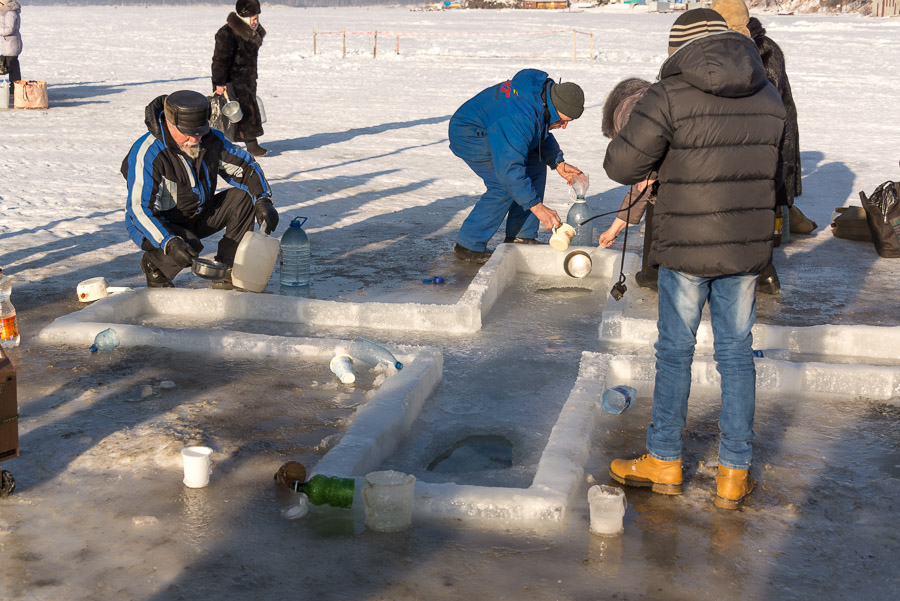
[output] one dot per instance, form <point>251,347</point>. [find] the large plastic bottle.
<point>371,353</point>
<point>618,398</point>
<point>295,254</point>
<point>9,325</point>
<point>578,212</point>
<point>328,490</point>
<point>105,341</point>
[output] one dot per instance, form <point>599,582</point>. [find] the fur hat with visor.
<point>247,8</point>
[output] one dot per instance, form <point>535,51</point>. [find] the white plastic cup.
<point>607,509</point>
<point>197,466</point>
<point>342,367</point>
<point>388,498</point>
<point>562,237</point>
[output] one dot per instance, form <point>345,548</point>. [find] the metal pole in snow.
<point>575,45</point>
<point>592,45</point>
<point>314,41</point>
<point>344,48</point>
<point>375,46</point>
<point>398,43</point>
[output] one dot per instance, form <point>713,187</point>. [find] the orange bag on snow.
<point>31,95</point>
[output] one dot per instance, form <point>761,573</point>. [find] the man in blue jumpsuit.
<point>503,135</point>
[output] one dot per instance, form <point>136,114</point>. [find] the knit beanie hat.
<point>568,98</point>
<point>247,8</point>
<point>735,14</point>
<point>693,24</point>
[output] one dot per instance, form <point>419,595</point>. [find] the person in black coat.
<point>234,69</point>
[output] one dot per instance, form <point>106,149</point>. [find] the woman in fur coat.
<point>234,69</point>
<point>10,39</point>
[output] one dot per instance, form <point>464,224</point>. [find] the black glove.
<point>180,251</point>
<point>266,214</point>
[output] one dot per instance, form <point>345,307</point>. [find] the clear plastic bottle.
<point>618,398</point>
<point>295,255</point>
<point>9,325</point>
<point>105,341</point>
<point>328,490</point>
<point>371,353</point>
<point>342,367</point>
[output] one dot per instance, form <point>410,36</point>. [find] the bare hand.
<point>609,236</point>
<point>567,171</point>
<point>220,90</point>
<point>547,216</point>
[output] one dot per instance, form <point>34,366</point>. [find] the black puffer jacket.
<point>712,126</point>
<point>234,65</point>
<point>165,185</point>
<point>773,61</point>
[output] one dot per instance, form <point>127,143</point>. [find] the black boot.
<point>255,149</point>
<point>768,280</point>
<point>155,278</point>
<point>646,278</point>
<point>465,254</point>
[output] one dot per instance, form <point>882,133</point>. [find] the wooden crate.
<point>9,409</point>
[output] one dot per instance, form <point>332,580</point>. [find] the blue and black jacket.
<point>503,125</point>
<point>164,185</point>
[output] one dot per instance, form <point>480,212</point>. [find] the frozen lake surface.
<point>359,146</point>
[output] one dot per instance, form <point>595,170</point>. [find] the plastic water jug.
<point>295,255</point>
<point>580,211</point>
<point>254,261</point>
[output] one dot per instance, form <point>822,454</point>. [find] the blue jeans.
<point>495,204</point>
<point>732,309</point>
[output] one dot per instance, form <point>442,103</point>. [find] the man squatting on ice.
<point>172,200</point>
<point>713,127</point>
<point>503,135</point>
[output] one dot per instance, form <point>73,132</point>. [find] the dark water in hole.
<point>565,291</point>
<point>474,454</point>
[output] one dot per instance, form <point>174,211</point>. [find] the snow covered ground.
<point>358,145</point>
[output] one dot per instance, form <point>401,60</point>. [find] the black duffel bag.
<point>883,216</point>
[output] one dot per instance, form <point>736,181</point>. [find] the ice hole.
<point>474,454</point>
<point>565,291</point>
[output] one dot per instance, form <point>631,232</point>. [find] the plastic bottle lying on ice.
<point>618,398</point>
<point>105,341</point>
<point>372,353</point>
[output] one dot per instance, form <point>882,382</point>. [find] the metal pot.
<point>208,269</point>
<point>578,264</point>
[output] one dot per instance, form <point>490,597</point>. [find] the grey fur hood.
<point>615,98</point>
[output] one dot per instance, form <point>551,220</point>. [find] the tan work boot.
<point>663,477</point>
<point>732,486</point>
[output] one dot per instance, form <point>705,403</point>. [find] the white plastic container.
<point>607,509</point>
<point>342,367</point>
<point>197,466</point>
<point>4,93</point>
<point>388,498</point>
<point>254,261</point>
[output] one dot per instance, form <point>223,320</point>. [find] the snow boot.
<point>768,282</point>
<point>646,278</point>
<point>800,223</point>
<point>255,149</point>
<point>663,477</point>
<point>465,254</point>
<point>732,486</point>
<point>155,278</point>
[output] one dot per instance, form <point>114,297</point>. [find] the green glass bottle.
<point>328,490</point>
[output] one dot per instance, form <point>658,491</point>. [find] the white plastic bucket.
<point>262,110</point>
<point>197,466</point>
<point>607,509</point>
<point>254,261</point>
<point>4,93</point>
<point>388,498</point>
<point>97,288</point>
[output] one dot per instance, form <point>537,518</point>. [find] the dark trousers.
<point>231,210</point>
<point>12,67</point>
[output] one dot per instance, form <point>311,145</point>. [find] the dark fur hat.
<point>621,91</point>
<point>247,8</point>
